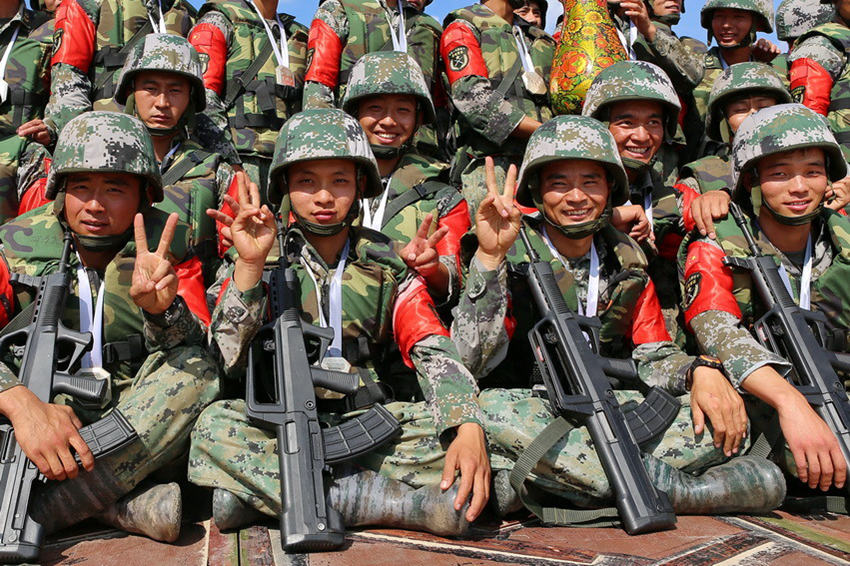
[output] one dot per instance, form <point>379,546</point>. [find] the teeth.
<point>640,150</point>
<point>388,137</point>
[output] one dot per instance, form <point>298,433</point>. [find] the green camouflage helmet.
<point>796,17</point>
<point>166,53</point>
<point>387,72</point>
<point>324,133</point>
<point>762,9</point>
<point>102,141</point>
<point>740,79</point>
<point>784,128</point>
<point>632,80</point>
<point>571,137</point>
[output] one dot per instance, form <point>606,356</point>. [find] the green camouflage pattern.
<point>762,9</point>
<point>323,133</point>
<point>23,162</point>
<point>387,72</point>
<point>782,128</point>
<point>710,173</point>
<point>713,69</point>
<point>246,37</point>
<point>104,141</point>
<point>164,53</point>
<point>571,137</point>
<point>632,80</point>
<point>738,80</point>
<point>796,17</point>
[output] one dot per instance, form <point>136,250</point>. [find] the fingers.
<point>219,216</point>
<point>422,232</point>
<point>840,467</point>
<point>438,235</point>
<point>83,451</point>
<point>167,235</point>
<point>698,418</point>
<point>464,490</point>
<point>510,184</point>
<point>490,176</point>
<point>812,468</point>
<point>449,470</point>
<point>826,471</point>
<point>139,235</point>
<point>480,491</point>
<point>253,192</point>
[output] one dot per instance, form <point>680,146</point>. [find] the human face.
<point>793,183</point>
<point>731,26</point>
<point>161,98</point>
<point>742,107</point>
<point>666,7</point>
<point>638,128</point>
<point>101,204</point>
<point>418,4</point>
<point>389,119</point>
<point>573,191</point>
<point>531,13</point>
<point>322,191</point>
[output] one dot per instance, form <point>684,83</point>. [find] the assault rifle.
<point>576,380</point>
<point>51,355</point>
<point>279,354</point>
<point>798,335</point>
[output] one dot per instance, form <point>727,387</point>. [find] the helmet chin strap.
<point>635,165</point>
<point>759,202</point>
<point>329,229</point>
<point>388,152</point>
<point>574,231</point>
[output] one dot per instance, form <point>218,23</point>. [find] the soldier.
<point>783,158</point>
<point>498,69</point>
<point>818,75</point>
<point>388,95</point>
<point>793,19</point>
<point>24,78</point>
<point>137,304</point>
<point>322,166</point>
<point>573,175</point>
<point>534,12</point>
<point>239,38</point>
<point>733,24</point>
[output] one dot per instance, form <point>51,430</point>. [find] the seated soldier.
<point>572,174</point>
<point>136,304</point>
<point>389,97</point>
<point>351,281</point>
<point>784,158</point>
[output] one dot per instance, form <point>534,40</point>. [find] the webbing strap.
<point>250,73</point>
<point>176,171</point>
<point>122,54</point>
<point>407,198</point>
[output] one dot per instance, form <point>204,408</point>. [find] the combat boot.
<point>230,512</point>
<point>503,497</point>
<point>745,484</point>
<point>153,510</point>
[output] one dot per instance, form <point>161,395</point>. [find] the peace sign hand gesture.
<point>154,278</point>
<point>421,253</point>
<point>498,220</point>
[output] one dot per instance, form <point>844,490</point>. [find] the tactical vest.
<point>32,245</point>
<point>713,69</point>
<point>27,71</point>
<point>118,22</point>
<point>830,291</point>
<point>838,114</point>
<point>711,173</point>
<point>257,106</point>
<point>501,57</point>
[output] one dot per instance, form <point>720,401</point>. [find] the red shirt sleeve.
<point>708,283</point>
<point>648,322</point>
<point>191,287</point>
<point>414,318</point>
<point>457,221</point>
<point>323,52</point>
<point>74,38</point>
<point>815,83</point>
<point>461,53</point>
<point>208,39</point>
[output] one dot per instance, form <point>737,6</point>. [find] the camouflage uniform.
<point>378,293</point>
<point>195,178</point>
<point>230,36</point>
<point>484,72</point>
<point>386,73</point>
<point>721,304</point>
<point>793,19</point>
<point>161,375</point>
<point>495,315</point>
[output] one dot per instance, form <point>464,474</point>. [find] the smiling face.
<point>322,191</point>
<point>161,98</point>
<point>101,204</point>
<point>388,119</point>
<point>741,107</point>
<point>731,26</point>
<point>638,128</point>
<point>573,191</point>
<point>793,183</point>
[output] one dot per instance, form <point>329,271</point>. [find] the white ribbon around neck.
<point>592,304</point>
<point>399,37</point>
<point>628,44</point>
<point>91,317</point>
<point>335,299</point>
<point>524,53</point>
<point>281,51</point>
<point>158,24</point>
<point>375,220</point>
<point>805,278</point>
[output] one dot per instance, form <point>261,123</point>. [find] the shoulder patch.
<point>458,58</point>
<point>692,285</point>
<point>57,40</point>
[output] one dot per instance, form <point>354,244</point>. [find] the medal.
<point>284,76</point>
<point>335,363</point>
<point>533,82</point>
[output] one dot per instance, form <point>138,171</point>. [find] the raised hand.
<point>497,220</point>
<point>154,278</point>
<point>421,252</point>
<point>36,130</point>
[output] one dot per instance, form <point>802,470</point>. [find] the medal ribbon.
<point>335,297</point>
<point>158,25</point>
<point>375,221</point>
<point>399,37</point>
<point>281,52</point>
<point>91,317</point>
<point>524,54</point>
<point>805,279</point>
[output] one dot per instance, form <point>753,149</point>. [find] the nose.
<point>575,196</point>
<point>798,185</point>
<point>640,133</point>
<point>388,120</point>
<point>160,99</point>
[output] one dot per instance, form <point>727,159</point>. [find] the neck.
<point>785,238</point>
<point>736,54</point>
<point>94,260</point>
<point>570,248</point>
<point>387,166</point>
<point>329,247</point>
<point>268,8</point>
<point>502,9</point>
<point>9,9</point>
<point>161,146</point>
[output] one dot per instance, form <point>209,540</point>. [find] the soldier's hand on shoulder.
<point>468,455</point>
<point>707,208</point>
<point>498,219</point>
<point>765,51</point>
<point>46,433</point>
<point>36,130</point>
<point>155,280</point>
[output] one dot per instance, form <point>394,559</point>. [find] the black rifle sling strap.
<point>417,193</point>
<point>177,170</point>
<point>235,88</point>
<point>123,52</point>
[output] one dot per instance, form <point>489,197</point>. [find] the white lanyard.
<point>524,54</point>
<point>281,52</point>
<point>628,44</point>
<point>805,279</point>
<point>8,51</point>
<point>399,38</point>
<point>374,221</point>
<point>335,307</point>
<point>164,165</point>
<point>158,25</point>
<point>91,318</point>
<point>593,279</point>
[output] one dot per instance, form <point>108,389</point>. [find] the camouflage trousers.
<point>513,418</point>
<point>162,402</point>
<point>257,169</point>
<point>229,452</point>
<point>473,179</point>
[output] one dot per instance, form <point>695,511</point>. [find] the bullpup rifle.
<point>279,354</point>
<point>52,354</point>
